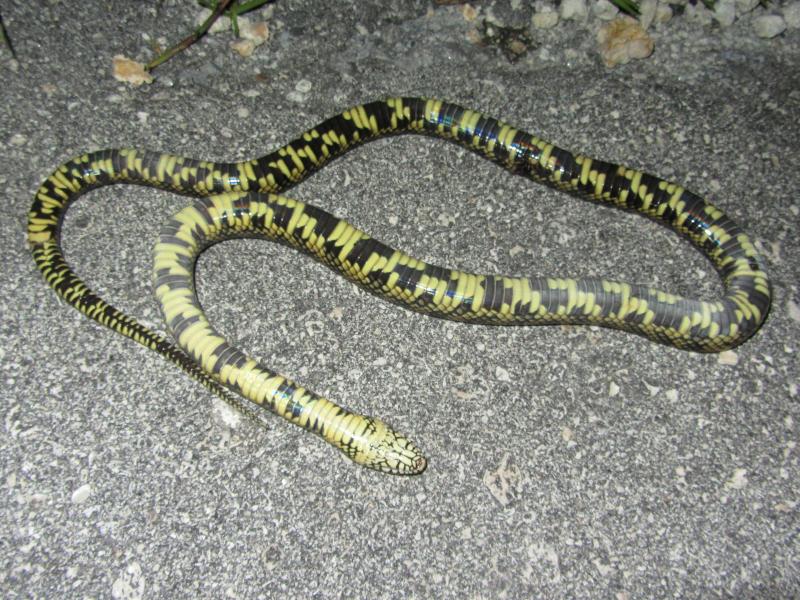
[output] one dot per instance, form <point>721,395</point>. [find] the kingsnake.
<point>240,201</point>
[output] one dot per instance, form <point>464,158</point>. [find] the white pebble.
<point>738,480</point>
<point>80,495</point>
<point>604,10</point>
<point>647,12</point>
<point>745,6</point>
<point>18,140</point>
<point>573,9</point>
<point>768,26</point>
<point>663,13</point>
<point>501,374</point>
<point>791,14</point>
<point>303,86</point>
<point>728,357</point>
<point>725,12</point>
<point>698,13</point>
<point>793,309</point>
<point>545,20</point>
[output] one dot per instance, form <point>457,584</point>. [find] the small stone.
<point>82,494</point>
<point>647,12</point>
<point>243,48</point>
<point>725,12</point>
<point>445,219</point>
<point>218,26</point>
<point>622,40</point>
<point>738,480</point>
<point>129,71</point>
<point>545,19</point>
<point>303,86</point>
<point>698,13</point>
<point>663,13</point>
<point>793,309</point>
<point>257,32</point>
<point>745,6</point>
<point>501,374</point>
<point>574,9</point>
<point>468,12</point>
<point>791,14</point>
<point>769,26</point>
<point>18,140</point>
<point>728,358</point>
<point>604,10</point>
<point>226,415</point>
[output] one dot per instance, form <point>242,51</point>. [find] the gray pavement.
<point>564,462</point>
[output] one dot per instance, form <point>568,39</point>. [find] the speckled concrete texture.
<point>564,462</point>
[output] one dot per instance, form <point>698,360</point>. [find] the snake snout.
<point>384,449</point>
<point>404,458</point>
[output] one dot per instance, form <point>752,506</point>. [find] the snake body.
<point>239,200</point>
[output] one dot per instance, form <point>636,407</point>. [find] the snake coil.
<point>239,200</point>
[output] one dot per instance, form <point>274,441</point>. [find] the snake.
<point>243,199</point>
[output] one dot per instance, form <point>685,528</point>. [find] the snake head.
<point>375,445</point>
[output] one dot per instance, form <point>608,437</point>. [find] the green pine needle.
<point>236,9</point>
<point>4,37</point>
<point>629,7</point>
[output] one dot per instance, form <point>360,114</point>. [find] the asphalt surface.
<point>563,462</point>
